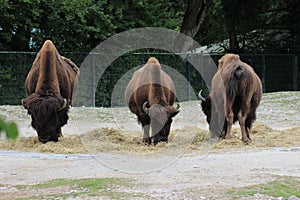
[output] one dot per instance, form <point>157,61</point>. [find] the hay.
<point>66,145</point>
<point>184,140</point>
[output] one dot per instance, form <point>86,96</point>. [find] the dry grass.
<point>185,140</point>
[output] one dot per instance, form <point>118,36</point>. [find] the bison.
<point>50,88</point>
<point>236,92</point>
<point>150,95</point>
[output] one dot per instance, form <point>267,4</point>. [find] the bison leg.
<point>250,119</point>
<point>245,132</point>
<point>60,133</point>
<point>146,138</point>
<point>157,138</point>
<point>248,125</point>
<point>145,121</point>
<point>229,119</point>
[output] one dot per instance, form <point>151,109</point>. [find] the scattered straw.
<point>182,140</point>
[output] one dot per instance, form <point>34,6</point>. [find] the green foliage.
<point>10,128</point>
<point>77,25</point>
<point>16,23</point>
<point>72,25</point>
<point>13,71</point>
<point>260,26</point>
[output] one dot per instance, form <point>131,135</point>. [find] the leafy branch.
<point>10,128</point>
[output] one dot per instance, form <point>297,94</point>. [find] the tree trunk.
<point>193,18</point>
<point>233,41</point>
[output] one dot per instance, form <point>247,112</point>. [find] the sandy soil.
<point>181,169</point>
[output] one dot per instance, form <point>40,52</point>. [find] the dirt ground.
<point>106,142</point>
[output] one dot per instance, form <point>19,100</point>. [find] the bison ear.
<point>25,103</point>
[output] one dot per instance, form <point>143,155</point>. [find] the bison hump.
<point>152,60</point>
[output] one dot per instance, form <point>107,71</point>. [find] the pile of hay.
<point>187,139</point>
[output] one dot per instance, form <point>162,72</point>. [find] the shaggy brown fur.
<point>50,87</point>
<point>152,87</point>
<point>235,95</point>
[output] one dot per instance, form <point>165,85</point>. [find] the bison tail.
<point>231,89</point>
<point>233,83</point>
<point>238,72</point>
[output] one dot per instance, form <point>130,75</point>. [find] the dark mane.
<point>41,106</point>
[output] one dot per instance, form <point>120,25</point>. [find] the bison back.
<point>149,85</point>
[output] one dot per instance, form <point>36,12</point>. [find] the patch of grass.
<point>63,188</point>
<point>105,116</point>
<point>93,184</point>
<point>281,187</point>
<point>284,188</point>
<point>230,192</point>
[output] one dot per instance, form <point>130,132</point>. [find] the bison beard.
<point>47,112</point>
<point>235,95</point>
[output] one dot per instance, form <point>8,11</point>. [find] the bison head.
<point>48,114</point>
<point>206,106</point>
<point>161,120</point>
<point>214,114</point>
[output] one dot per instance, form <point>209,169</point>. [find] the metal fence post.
<point>263,73</point>
<point>189,78</point>
<point>295,73</point>
<point>93,81</point>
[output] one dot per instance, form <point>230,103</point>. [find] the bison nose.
<point>44,139</point>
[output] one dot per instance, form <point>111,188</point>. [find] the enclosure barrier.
<point>278,72</point>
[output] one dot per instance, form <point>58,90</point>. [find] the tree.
<point>241,17</point>
<point>144,13</point>
<point>195,13</point>
<point>16,23</point>
<point>282,30</point>
<point>77,25</point>
<point>72,25</point>
<point>194,16</point>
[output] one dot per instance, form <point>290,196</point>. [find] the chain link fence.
<point>277,72</point>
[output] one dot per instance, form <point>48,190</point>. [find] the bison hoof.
<point>247,141</point>
<point>160,140</point>
<point>147,141</point>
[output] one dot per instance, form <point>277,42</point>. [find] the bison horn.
<point>146,110</point>
<point>200,96</point>
<point>177,106</point>
<point>65,104</point>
